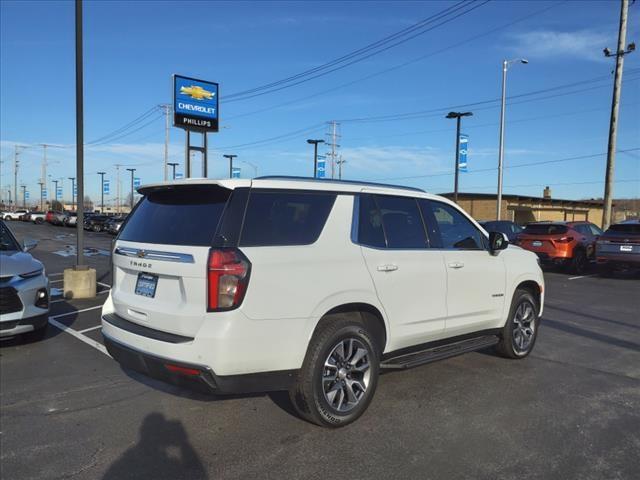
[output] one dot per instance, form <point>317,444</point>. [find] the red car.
<point>564,244</point>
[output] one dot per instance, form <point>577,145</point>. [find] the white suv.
<point>308,285</point>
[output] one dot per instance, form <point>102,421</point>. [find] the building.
<point>523,209</point>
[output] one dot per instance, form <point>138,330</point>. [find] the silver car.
<point>24,288</point>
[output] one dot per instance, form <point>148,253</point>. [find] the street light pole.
<point>41,203</point>
<point>131,170</point>
<point>315,154</point>
<point>173,165</point>
<point>73,192</point>
<point>102,174</point>
<point>230,157</point>
<point>457,116</point>
<point>255,167</point>
<point>505,67</point>
<point>55,191</point>
<point>24,195</point>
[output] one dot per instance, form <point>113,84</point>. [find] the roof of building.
<point>528,198</point>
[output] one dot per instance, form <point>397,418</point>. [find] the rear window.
<point>285,218</point>
<point>626,228</point>
<point>177,216</point>
<point>545,229</point>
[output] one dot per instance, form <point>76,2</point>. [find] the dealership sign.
<point>464,148</point>
<point>195,104</point>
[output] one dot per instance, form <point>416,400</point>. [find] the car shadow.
<point>590,316</point>
<point>572,329</point>
<point>163,450</point>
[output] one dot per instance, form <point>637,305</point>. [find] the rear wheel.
<point>521,330</point>
<point>7,218</point>
<point>340,373</point>
<point>38,221</point>
<point>579,262</point>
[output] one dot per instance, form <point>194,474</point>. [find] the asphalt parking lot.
<point>570,410</point>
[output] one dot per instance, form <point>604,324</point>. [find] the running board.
<point>441,352</point>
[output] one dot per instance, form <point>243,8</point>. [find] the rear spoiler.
<point>229,184</point>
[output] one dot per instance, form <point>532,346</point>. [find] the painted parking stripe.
<point>583,276</point>
<point>74,312</point>
<point>83,338</point>
<point>90,329</point>
<point>104,285</point>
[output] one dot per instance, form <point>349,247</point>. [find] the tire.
<point>7,218</point>
<point>515,342</point>
<point>96,228</point>
<point>38,221</point>
<point>579,262</point>
<point>342,399</point>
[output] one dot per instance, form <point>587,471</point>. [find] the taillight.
<point>227,278</point>
<point>565,240</point>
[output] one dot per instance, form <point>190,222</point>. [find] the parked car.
<point>24,288</point>
<point>509,228</point>
<point>565,244</point>
<point>619,247</point>
<point>113,225</point>
<point>59,218</point>
<point>71,219</point>
<point>37,217</point>
<point>17,215</point>
<point>95,223</point>
<point>239,286</point>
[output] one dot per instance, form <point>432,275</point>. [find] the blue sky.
<point>133,48</point>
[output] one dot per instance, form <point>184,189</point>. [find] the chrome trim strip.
<point>155,255</point>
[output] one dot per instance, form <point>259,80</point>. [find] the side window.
<point>595,230</point>
<point>402,222</point>
<point>285,218</point>
<point>431,224</point>
<point>582,229</point>
<point>456,231</point>
<point>370,232</point>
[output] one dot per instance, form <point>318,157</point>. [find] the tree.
<point>56,206</point>
<point>88,204</point>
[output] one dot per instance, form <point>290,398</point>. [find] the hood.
<point>17,263</point>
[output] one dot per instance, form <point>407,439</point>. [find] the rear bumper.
<point>547,259</point>
<point>197,377</point>
<point>617,258</point>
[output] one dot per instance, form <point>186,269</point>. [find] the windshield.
<point>7,242</point>
<point>624,228</point>
<point>545,229</point>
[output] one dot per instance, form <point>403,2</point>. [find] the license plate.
<point>536,243</point>
<point>146,285</point>
<point>626,248</point>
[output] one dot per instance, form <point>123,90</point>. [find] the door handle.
<point>456,265</point>
<point>387,268</point>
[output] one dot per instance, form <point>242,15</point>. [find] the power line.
<point>301,131</point>
<point>126,134</point>
<point>120,130</point>
<point>362,53</point>
<point>530,164</point>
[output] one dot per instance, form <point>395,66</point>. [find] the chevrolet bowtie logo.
<point>197,92</point>
<point>141,254</point>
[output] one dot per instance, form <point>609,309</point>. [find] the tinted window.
<point>370,232</point>
<point>402,222</point>
<point>595,230</point>
<point>545,229</point>
<point>456,231</point>
<point>625,228</point>
<point>177,216</point>
<point>285,218</point>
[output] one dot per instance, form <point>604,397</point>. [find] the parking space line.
<point>89,329</point>
<point>75,311</point>
<point>583,276</point>
<point>56,281</point>
<point>83,338</point>
<point>57,274</point>
<point>103,284</point>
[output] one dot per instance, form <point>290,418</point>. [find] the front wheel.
<point>521,330</point>
<point>339,375</point>
<point>7,218</point>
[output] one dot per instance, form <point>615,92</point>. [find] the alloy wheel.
<point>346,374</point>
<point>524,329</point>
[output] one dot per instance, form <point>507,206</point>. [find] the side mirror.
<point>29,244</point>
<point>497,241</point>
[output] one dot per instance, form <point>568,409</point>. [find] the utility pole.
<point>334,136</point>
<point>167,112</point>
<point>457,116</point>
<point>131,170</point>
<point>73,192</point>
<point>118,187</point>
<point>102,174</point>
<point>43,166</point>
<point>315,154</point>
<point>24,196</point>
<point>615,106</point>
<point>16,166</point>
<point>173,165</point>
<point>41,190</point>
<point>340,163</point>
<point>230,157</point>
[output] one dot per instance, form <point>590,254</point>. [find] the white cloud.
<point>581,44</point>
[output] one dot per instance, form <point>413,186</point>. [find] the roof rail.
<point>340,182</point>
